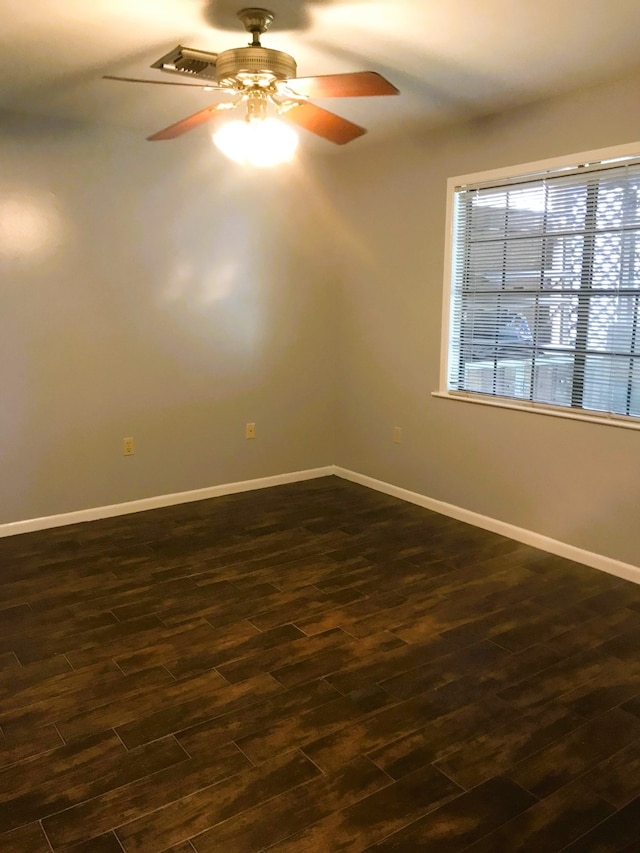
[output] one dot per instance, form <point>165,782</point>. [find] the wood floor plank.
<point>397,619</point>
<point>144,636</point>
<point>9,661</point>
<point>436,618</point>
<point>454,826</point>
<point>312,667</point>
<point>594,632</point>
<point>382,666</point>
<point>191,815</point>
<point>369,733</point>
<point>332,660</point>
<point>617,779</point>
<point>618,683</point>
<point>265,824</point>
<point>71,762</point>
<point>343,617</point>
<point>40,703</point>
<point>556,680</point>
<point>107,843</point>
<point>619,833</point>
<point>14,618</point>
<point>185,847</point>
<point>182,592</point>
<point>17,678</point>
<point>541,628</point>
<point>625,645</point>
<point>28,838</point>
<point>304,570</point>
<point>355,827</point>
<point>294,610</point>
<point>187,641</point>
<point>232,643</point>
<point>197,710</point>
<point>305,727</point>
<point>92,780</point>
<point>387,576</point>
<point>442,736</point>
<point>140,797</point>
<point>575,753</point>
<point>483,656</point>
<point>550,824</point>
<point>494,752</point>
<point>298,649</point>
<point>152,693</point>
<point>502,674</point>
<point>46,640</point>
<point>268,714</point>
<point>274,609</point>
<point>19,744</point>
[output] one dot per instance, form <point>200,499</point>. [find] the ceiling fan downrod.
<point>256,21</point>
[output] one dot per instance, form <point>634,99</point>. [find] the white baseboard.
<point>520,534</point>
<point>30,525</point>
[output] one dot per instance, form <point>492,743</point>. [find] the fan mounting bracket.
<point>256,21</point>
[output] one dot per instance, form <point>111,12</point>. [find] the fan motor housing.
<point>233,64</point>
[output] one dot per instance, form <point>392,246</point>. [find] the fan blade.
<point>360,84</point>
<point>207,86</point>
<point>189,123</point>
<point>323,123</point>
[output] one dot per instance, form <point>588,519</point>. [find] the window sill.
<point>539,409</point>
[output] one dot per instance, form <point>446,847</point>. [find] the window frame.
<point>516,173</point>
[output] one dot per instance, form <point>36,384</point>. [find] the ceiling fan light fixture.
<point>257,142</point>
<point>263,78</point>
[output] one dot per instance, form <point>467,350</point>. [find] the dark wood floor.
<point>313,667</point>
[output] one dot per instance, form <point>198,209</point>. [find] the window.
<point>544,289</point>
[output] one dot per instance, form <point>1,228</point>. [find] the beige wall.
<point>158,292</point>
<point>575,482</point>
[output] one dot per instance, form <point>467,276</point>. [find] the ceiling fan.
<point>264,80</point>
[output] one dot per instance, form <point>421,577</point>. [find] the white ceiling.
<point>449,58</point>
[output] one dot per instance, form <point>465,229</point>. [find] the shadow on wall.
<point>290,14</point>
<point>169,298</point>
<point>42,92</point>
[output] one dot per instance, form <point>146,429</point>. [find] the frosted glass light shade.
<point>260,142</point>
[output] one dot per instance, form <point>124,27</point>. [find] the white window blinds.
<point>545,289</point>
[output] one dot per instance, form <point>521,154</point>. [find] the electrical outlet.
<point>397,435</point>
<point>128,447</point>
<point>250,431</point>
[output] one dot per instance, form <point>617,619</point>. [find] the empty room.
<point>319,426</point>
